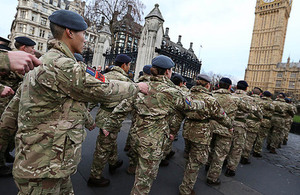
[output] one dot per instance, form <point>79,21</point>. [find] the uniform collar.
<point>120,70</point>
<point>61,46</point>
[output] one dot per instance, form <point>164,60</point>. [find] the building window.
<point>50,36</point>
<point>278,83</point>
<point>55,3</point>
<point>42,33</point>
<point>33,16</point>
<point>35,6</point>
<point>293,75</point>
<point>45,10</point>
<point>43,21</point>
<point>46,1</point>
<point>40,46</point>
<point>23,14</point>
<point>32,30</point>
<point>292,85</point>
<point>279,74</point>
<point>22,28</point>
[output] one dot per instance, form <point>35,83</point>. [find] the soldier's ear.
<point>69,33</point>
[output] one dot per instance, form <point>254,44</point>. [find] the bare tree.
<point>112,11</point>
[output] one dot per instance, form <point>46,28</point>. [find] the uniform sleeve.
<point>1,87</point>
<point>89,120</point>
<point>4,62</point>
<point>219,115</point>
<point>74,81</point>
<point>114,122</point>
<point>9,123</point>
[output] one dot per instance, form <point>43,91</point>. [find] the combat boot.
<point>9,158</point>
<point>170,155</point>
<point>268,147</point>
<point>112,168</point>
<point>131,170</point>
<point>229,173</point>
<point>284,142</point>
<point>5,171</point>
<point>273,151</point>
<point>102,182</point>
<point>213,183</point>
<point>256,154</point>
<point>127,148</point>
<point>245,161</point>
<point>279,146</point>
<point>207,167</point>
<point>164,163</point>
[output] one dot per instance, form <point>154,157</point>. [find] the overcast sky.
<point>222,27</point>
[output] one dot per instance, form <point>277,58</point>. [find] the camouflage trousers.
<point>106,151</point>
<point>187,146</point>
<point>44,186</point>
<point>145,174</point>
<point>250,139</point>
<point>277,131</point>
<point>168,147</point>
<point>287,129</point>
<point>238,143</point>
<point>6,147</point>
<point>197,158</point>
<point>221,149</point>
<point>261,136</point>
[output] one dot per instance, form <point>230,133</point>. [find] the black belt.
<point>265,117</point>
<point>199,121</point>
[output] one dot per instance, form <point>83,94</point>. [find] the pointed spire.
<point>155,13</point>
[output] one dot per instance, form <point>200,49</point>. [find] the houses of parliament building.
<point>265,68</point>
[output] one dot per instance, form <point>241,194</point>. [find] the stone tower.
<point>268,38</point>
<point>151,37</point>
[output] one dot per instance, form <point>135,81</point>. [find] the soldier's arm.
<point>257,111</point>
<point>4,62</point>
<point>219,115</point>
<point>1,87</point>
<point>90,122</point>
<point>114,122</point>
<point>74,81</point>
<point>9,123</point>
<point>175,122</point>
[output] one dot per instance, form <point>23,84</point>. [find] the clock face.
<point>268,1</point>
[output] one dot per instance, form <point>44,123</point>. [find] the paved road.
<point>272,174</point>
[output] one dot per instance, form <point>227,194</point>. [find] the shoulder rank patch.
<point>100,76</point>
<point>187,101</point>
<point>91,71</point>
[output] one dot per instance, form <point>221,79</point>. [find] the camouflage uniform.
<point>106,147</point>
<point>223,135</point>
<point>289,120</point>
<point>268,109</point>
<point>278,122</point>
<point>52,115</point>
<point>175,121</point>
<point>151,129</point>
<point>239,134</point>
<point>198,132</point>
<point>253,126</point>
<point>4,61</point>
<point>12,80</point>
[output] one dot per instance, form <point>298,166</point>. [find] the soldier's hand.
<point>231,130</point>
<point>7,91</point>
<point>92,127</point>
<point>143,88</point>
<point>106,133</point>
<point>172,137</point>
<point>22,62</point>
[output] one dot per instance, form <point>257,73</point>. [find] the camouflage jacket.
<point>12,80</point>
<point>281,108</point>
<point>52,113</point>
<point>4,61</point>
<point>267,108</point>
<point>151,125</point>
<point>116,73</point>
<point>176,119</point>
<point>1,88</point>
<point>225,99</point>
<point>198,130</point>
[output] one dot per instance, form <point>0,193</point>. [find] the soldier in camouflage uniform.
<point>268,109</point>
<point>245,107</point>
<point>175,121</point>
<point>106,147</point>
<point>52,113</point>
<point>223,133</point>
<point>288,119</point>
<point>198,132</point>
<point>253,126</point>
<point>150,130</point>
<point>278,122</point>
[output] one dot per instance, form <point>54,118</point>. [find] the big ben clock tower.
<point>271,19</point>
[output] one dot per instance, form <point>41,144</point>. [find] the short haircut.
<point>176,80</point>
<point>119,63</point>
<point>18,45</point>
<point>241,86</point>
<point>224,85</point>
<point>203,83</point>
<point>57,31</point>
<point>257,91</point>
